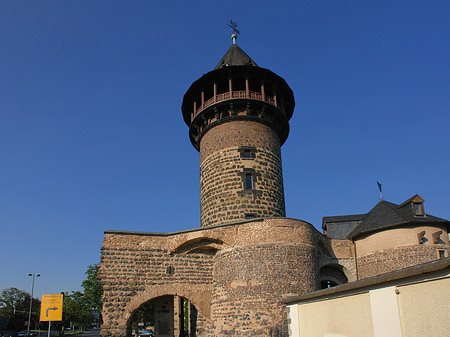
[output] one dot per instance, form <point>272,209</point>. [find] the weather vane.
<point>379,187</point>
<point>233,26</point>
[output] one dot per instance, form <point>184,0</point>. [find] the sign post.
<point>51,309</point>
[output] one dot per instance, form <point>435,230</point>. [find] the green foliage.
<point>186,313</point>
<point>78,306</point>
<point>76,311</point>
<point>15,306</point>
<point>144,315</point>
<point>93,291</point>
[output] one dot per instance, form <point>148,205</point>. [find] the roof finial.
<point>234,37</point>
<point>233,26</point>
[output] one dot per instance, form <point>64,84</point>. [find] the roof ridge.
<point>345,216</point>
<point>382,203</point>
<point>394,207</point>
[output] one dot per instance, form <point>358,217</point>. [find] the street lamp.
<point>31,301</point>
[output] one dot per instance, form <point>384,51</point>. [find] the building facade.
<point>247,257</point>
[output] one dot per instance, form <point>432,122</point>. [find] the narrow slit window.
<point>248,182</point>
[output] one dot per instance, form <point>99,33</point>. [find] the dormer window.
<point>418,209</point>
<point>414,205</point>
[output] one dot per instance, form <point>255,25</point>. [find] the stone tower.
<point>238,117</point>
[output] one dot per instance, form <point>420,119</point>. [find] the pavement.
<point>90,333</point>
<point>87,333</point>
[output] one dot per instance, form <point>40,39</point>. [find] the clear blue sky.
<point>92,137</point>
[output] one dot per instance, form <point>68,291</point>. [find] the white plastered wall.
<point>410,309</point>
<point>336,317</point>
<point>431,316</point>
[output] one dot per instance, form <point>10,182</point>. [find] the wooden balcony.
<point>233,95</point>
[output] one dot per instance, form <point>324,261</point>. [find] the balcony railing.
<point>233,95</point>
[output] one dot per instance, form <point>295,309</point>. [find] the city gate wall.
<point>236,275</point>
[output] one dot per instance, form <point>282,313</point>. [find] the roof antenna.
<point>233,27</point>
<point>381,193</point>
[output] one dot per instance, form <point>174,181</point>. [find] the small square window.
<point>249,216</point>
<point>442,254</point>
<point>247,152</point>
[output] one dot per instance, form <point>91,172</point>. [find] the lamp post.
<point>31,301</point>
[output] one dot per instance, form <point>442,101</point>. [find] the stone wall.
<point>229,152</point>
<point>390,260</point>
<point>250,282</point>
<point>339,254</point>
<point>235,274</point>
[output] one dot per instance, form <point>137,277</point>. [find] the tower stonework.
<point>238,117</point>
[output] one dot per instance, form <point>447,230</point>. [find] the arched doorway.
<point>164,316</point>
<point>332,275</point>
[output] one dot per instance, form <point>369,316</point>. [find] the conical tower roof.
<point>235,56</point>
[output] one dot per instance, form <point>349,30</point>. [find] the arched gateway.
<point>165,316</point>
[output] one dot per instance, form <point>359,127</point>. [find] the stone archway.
<point>166,316</point>
<point>332,275</point>
<point>166,299</point>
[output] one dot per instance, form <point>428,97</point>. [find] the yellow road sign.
<point>51,307</point>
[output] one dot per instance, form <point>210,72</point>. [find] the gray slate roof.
<point>385,214</point>
<point>235,56</point>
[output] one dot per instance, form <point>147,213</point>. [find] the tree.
<point>75,310</point>
<point>93,291</point>
<point>15,306</point>
<point>82,308</point>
